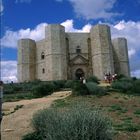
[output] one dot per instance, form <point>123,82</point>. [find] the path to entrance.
<point>17,124</point>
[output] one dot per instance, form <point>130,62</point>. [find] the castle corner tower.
<point>121,61</point>
<point>101,48</point>
<point>56,52</point>
<point>26,60</point>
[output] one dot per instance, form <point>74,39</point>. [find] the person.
<point>81,79</point>
<point>84,80</point>
<point>105,77</point>
<point>109,78</point>
<point>114,77</point>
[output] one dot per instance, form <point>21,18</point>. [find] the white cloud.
<point>23,1</point>
<point>94,9</point>
<point>135,73</point>
<point>1,7</point>
<point>10,38</point>
<point>131,31</point>
<point>69,27</point>
<point>9,71</point>
<point>131,52</point>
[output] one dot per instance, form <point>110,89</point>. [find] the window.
<point>42,55</point>
<point>78,49</point>
<point>43,70</point>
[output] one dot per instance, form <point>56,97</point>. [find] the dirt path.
<point>15,125</point>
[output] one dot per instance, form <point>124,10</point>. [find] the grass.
<point>60,103</point>
<point>17,97</point>
<point>137,112</point>
<point>118,108</point>
<point>115,105</point>
<point>123,112</point>
<point>127,126</point>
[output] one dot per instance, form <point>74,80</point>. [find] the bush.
<point>43,89</point>
<point>69,84</point>
<point>120,76</point>
<point>76,123</point>
<point>94,89</point>
<point>79,89</point>
<point>32,136</point>
<point>122,86</point>
<point>136,86</point>
<point>126,79</point>
<point>59,84</point>
<point>93,79</point>
<point>127,85</point>
<point>12,88</point>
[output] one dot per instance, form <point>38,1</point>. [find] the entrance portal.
<point>79,73</point>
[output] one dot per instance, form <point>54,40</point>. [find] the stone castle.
<point>64,55</point>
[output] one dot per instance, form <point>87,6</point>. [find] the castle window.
<point>42,55</point>
<point>43,70</point>
<point>78,49</point>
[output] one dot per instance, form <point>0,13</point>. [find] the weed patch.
<point>118,108</point>
<point>137,112</point>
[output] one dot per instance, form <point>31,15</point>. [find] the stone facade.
<point>62,55</point>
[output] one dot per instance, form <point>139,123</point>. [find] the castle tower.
<point>56,52</point>
<point>26,60</point>
<point>121,62</point>
<point>101,50</point>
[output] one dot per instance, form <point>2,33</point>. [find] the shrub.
<point>43,89</point>
<point>93,79</point>
<point>136,86</point>
<point>32,136</point>
<point>12,88</point>
<point>126,79</point>
<point>120,76</point>
<point>8,91</point>
<point>59,84</point>
<point>76,123</point>
<point>79,89</point>
<point>122,86</point>
<point>94,89</point>
<point>134,78</point>
<point>69,84</point>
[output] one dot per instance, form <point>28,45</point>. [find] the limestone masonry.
<point>63,55</point>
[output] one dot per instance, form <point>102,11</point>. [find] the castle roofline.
<point>119,38</point>
<point>26,39</point>
<point>55,24</point>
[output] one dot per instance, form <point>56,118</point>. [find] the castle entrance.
<point>79,73</point>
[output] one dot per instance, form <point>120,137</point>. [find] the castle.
<point>65,55</point>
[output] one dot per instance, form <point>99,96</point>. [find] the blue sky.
<point>27,18</point>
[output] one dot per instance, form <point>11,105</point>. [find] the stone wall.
<point>77,40</point>
<point>121,61</point>
<point>26,60</point>
<point>101,48</point>
<point>56,52</point>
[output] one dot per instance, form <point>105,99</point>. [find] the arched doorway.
<point>79,73</point>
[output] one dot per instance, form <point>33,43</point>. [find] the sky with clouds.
<point>27,19</point>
